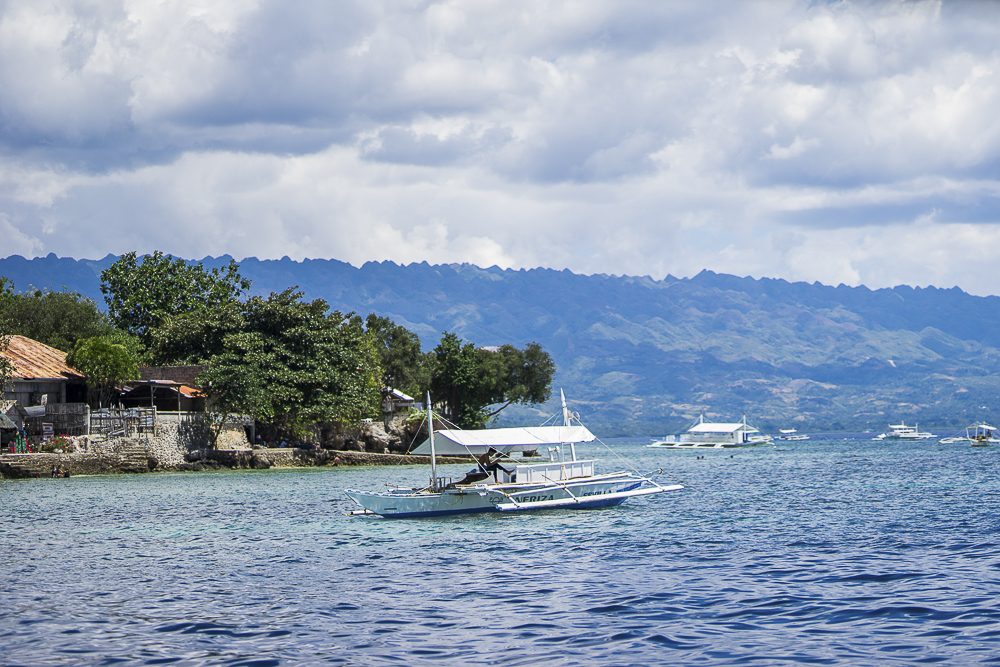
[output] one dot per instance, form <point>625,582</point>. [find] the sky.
<point>839,142</point>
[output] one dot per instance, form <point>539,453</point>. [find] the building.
<point>41,375</point>
<point>396,401</point>
<point>46,396</point>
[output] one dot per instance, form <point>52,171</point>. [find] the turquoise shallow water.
<point>820,552</point>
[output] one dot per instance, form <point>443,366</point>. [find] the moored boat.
<point>903,432</point>
<point>502,483</point>
<point>979,434</point>
<point>712,435</point>
<point>790,434</point>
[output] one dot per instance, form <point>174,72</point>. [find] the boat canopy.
<point>456,442</point>
<point>706,427</point>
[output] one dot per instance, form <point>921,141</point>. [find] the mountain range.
<point>637,355</point>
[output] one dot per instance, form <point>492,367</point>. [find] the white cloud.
<point>790,139</point>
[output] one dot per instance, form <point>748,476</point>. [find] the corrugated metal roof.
<point>34,361</point>
<point>190,392</point>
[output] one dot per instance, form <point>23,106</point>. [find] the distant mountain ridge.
<point>643,355</point>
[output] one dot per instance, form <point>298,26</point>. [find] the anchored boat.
<point>979,434</point>
<point>501,483</point>
<point>708,435</point>
<point>903,432</point>
<point>790,434</point>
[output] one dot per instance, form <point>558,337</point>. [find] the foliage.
<point>283,361</point>
<point>468,380</point>
<point>57,319</point>
<point>403,365</point>
<point>141,295</point>
<point>6,367</point>
<point>105,363</point>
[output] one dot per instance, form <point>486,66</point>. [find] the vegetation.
<point>57,319</point>
<point>286,362</point>
<point>6,367</point>
<point>289,363</point>
<point>142,294</point>
<point>402,364</point>
<point>107,363</point>
<point>470,380</point>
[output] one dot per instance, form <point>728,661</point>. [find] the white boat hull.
<point>598,491</point>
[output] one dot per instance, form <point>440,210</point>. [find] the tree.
<point>6,367</point>
<point>141,295</point>
<point>469,380</point>
<point>403,365</point>
<point>105,363</point>
<point>57,319</point>
<point>281,360</point>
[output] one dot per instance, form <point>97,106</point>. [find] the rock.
<point>260,462</point>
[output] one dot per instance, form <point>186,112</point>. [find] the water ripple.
<point>830,553</point>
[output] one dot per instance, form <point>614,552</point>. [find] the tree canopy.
<point>403,365</point>
<point>57,319</point>
<point>286,362</point>
<point>142,294</point>
<point>471,380</point>
<point>106,363</point>
<point>6,367</point>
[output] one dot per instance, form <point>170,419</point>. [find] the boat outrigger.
<point>500,483</point>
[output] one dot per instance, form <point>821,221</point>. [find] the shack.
<point>164,395</point>
<point>41,375</point>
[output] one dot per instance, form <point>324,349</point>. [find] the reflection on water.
<point>828,551</point>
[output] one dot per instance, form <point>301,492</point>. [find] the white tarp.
<point>715,428</point>
<point>453,442</point>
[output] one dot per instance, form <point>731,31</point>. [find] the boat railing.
<point>548,472</point>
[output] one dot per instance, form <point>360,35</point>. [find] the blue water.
<point>818,552</point>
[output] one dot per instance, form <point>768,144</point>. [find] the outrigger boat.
<point>978,435</point>
<point>506,484</point>
<point>790,434</point>
<point>709,435</point>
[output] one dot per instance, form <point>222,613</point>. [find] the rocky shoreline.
<point>25,466</point>
<point>184,447</point>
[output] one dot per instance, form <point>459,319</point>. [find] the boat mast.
<point>566,421</point>
<point>430,430</point>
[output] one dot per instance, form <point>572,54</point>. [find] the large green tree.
<point>107,363</point>
<point>58,319</point>
<point>143,292</point>
<point>284,361</point>
<point>403,365</point>
<point>476,384</point>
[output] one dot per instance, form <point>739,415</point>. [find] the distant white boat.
<point>978,435</point>
<point>500,483</point>
<point>710,435</point>
<point>903,432</point>
<point>790,434</point>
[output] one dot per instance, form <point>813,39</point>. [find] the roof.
<point>458,442</point>
<point>5,422</point>
<point>399,396</point>
<point>187,391</point>
<point>36,361</point>
<point>716,428</point>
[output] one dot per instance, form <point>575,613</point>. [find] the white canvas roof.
<point>715,428</point>
<point>455,442</point>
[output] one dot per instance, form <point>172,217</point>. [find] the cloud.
<point>789,139</point>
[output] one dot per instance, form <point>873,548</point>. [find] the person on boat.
<point>490,463</point>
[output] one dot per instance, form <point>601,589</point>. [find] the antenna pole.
<point>430,430</point>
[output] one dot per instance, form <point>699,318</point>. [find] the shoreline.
<point>39,465</point>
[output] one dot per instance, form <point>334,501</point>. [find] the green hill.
<point>638,355</point>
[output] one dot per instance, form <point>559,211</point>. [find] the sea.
<point>838,550</point>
